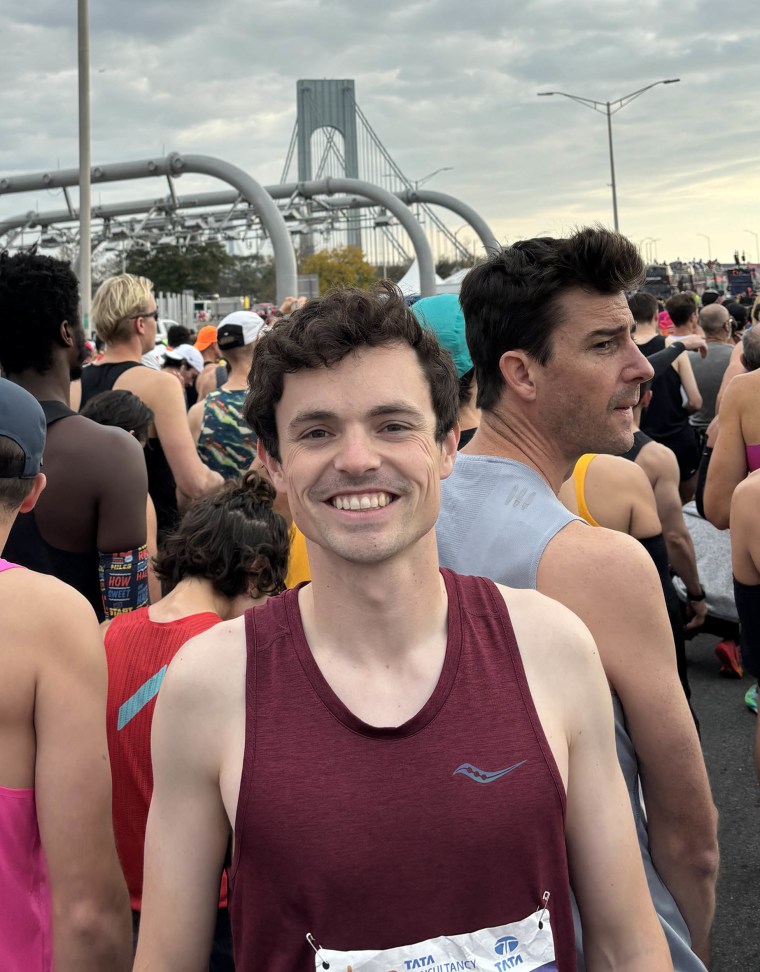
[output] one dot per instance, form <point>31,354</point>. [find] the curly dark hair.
<point>510,301</point>
<point>231,537</point>
<point>37,294</point>
<point>325,331</point>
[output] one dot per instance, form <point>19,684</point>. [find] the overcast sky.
<point>442,82</point>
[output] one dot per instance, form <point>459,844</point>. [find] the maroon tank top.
<point>370,838</point>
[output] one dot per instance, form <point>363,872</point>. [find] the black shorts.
<point>685,445</point>
<point>747,598</point>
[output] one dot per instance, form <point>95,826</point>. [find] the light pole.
<point>609,108</point>
<point>85,251</point>
<point>757,243</point>
<point>429,176</point>
<point>709,248</point>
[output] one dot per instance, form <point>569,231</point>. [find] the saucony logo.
<point>484,776</point>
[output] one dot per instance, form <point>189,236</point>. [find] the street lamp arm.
<point>588,102</point>
<point>627,99</point>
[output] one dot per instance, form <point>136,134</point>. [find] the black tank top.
<point>161,484</point>
<point>27,546</point>
<point>665,414</point>
<point>640,439</point>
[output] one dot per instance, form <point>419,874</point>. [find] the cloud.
<point>443,83</point>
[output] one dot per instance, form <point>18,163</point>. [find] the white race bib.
<point>526,945</point>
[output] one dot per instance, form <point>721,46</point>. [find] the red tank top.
<point>138,652</point>
<point>370,838</point>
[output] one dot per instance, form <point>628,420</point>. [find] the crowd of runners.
<point>356,638</point>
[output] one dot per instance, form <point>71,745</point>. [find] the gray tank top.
<point>497,518</point>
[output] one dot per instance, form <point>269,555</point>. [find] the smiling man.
<point>549,332</point>
<point>401,753</point>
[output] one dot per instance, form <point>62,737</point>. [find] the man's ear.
<point>449,448</point>
<point>518,370</point>
<point>272,466</point>
<point>65,334</point>
<point>31,501</point>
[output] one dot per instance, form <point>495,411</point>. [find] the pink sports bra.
<point>25,909</point>
<point>753,457</point>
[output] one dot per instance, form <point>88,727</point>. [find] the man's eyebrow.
<point>609,331</point>
<point>396,408</point>
<point>312,415</point>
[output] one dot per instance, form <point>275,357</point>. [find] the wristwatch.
<point>696,597</point>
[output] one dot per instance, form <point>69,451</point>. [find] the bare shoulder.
<point>590,550</point>
<point>658,459</point>
<point>547,632</point>
<point>596,572</point>
<point>620,473</point>
<point>211,666</point>
<point>119,444</point>
<point>43,613</point>
<point>153,387</point>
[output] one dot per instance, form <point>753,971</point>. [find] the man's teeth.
<point>362,501</point>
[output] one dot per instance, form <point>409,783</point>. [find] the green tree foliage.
<point>445,268</point>
<point>196,266</point>
<point>343,267</point>
<point>251,276</point>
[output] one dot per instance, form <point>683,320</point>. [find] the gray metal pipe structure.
<point>226,198</point>
<point>481,227</point>
<point>391,202</point>
<point>286,272</point>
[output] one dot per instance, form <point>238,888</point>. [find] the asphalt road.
<point>728,729</point>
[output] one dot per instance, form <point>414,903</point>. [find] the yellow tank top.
<point>298,559</point>
<point>579,484</point>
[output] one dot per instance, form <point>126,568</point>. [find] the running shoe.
<point>750,698</point>
<point>730,658</point>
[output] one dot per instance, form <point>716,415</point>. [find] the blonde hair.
<point>116,301</point>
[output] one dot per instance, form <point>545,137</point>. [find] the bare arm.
<point>689,383</point>
<point>92,928</point>
<point>735,367</point>
<point>154,584</point>
<point>195,420</point>
<point>661,464</point>
<point>630,626</point>
<point>193,478</point>
<point>728,464</point>
<point>620,928</point>
<point>181,889</point>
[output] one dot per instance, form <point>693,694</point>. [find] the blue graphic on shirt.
<point>147,691</point>
<point>484,776</point>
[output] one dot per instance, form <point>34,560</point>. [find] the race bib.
<point>527,945</point>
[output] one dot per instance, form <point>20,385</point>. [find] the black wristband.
<point>696,597</point>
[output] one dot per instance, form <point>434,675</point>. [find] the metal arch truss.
<point>249,208</point>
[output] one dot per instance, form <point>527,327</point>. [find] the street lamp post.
<point>85,250</point>
<point>709,247</point>
<point>429,176</point>
<point>757,243</point>
<point>609,108</point>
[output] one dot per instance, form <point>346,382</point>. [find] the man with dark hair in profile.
<point>335,728</point>
<point>63,902</point>
<point>88,528</point>
<point>666,420</point>
<point>558,374</point>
